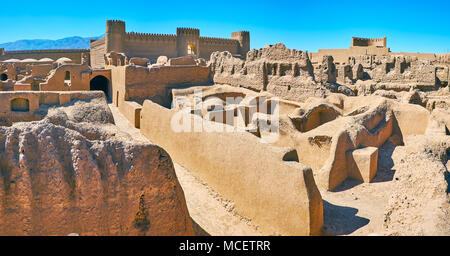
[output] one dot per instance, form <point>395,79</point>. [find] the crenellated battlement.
<point>111,22</point>
<point>369,39</point>
<point>188,31</point>
<point>186,41</point>
<point>217,40</point>
<point>241,32</point>
<point>150,36</point>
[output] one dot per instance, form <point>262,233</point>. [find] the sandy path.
<point>357,208</point>
<point>211,214</point>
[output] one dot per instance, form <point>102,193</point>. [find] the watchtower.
<point>114,37</point>
<point>188,40</point>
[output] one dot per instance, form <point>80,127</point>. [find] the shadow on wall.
<point>447,174</point>
<point>341,220</point>
<point>20,105</point>
<point>348,183</point>
<point>385,163</point>
<point>199,231</point>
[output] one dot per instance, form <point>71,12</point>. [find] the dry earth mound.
<point>75,172</point>
<point>419,203</point>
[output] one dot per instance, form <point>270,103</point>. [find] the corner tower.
<point>244,41</point>
<point>188,40</point>
<point>114,36</point>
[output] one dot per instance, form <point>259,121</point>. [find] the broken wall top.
<point>277,52</point>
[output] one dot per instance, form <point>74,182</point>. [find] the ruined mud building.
<point>327,135</point>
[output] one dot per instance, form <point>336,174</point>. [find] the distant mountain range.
<point>74,42</point>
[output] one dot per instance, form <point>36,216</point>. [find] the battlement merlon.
<point>186,41</point>
<point>188,31</point>
<point>114,24</point>
<point>365,42</point>
<point>150,36</point>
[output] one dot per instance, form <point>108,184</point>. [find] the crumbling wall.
<point>397,72</point>
<point>418,203</point>
<point>38,102</point>
<point>280,198</point>
<point>77,80</point>
<point>73,77</point>
<point>365,122</point>
<point>284,72</point>
<point>150,46</point>
<point>208,45</point>
<point>132,84</point>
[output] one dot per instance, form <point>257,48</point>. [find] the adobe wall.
<point>13,70</point>
<point>73,54</point>
<point>153,83</point>
<point>341,55</point>
<point>41,70</point>
<point>399,72</point>
<point>97,53</point>
<point>31,111</point>
<point>130,109</point>
<point>80,77</point>
<point>208,45</point>
<point>117,84</point>
<point>76,157</point>
<point>284,72</point>
<point>281,198</point>
<point>150,46</point>
<point>422,56</point>
<point>364,122</point>
<point>132,84</point>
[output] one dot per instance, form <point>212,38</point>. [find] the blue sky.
<point>413,26</point>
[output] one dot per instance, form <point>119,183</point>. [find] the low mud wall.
<point>20,106</point>
<point>281,197</point>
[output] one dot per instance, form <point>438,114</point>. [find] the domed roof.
<point>11,60</point>
<point>63,59</point>
<point>29,60</point>
<point>45,60</point>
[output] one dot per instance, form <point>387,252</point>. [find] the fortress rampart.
<point>186,41</point>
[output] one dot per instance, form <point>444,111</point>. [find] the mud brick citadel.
<point>104,141</point>
<point>187,41</point>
